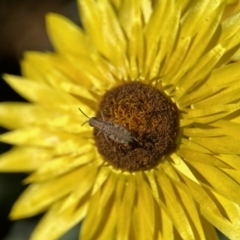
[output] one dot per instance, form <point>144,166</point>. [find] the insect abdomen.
<point>118,133</point>
<point>114,131</point>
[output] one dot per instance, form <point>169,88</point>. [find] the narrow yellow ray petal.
<point>108,231</point>
<point>190,145</point>
<point>116,3</point>
<point>35,136</point>
<point>73,144</point>
<point>213,110</point>
<point>62,165</point>
<point>39,92</point>
<point>209,159</point>
<point>195,15</point>
<point>146,7</point>
<point>223,75</point>
<point>191,211</point>
<point>232,210</point>
<point>202,197</point>
<point>24,159</point>
<point>197,73</point>
<point>141,229</point>
<point>15,115</point>
<point>230,31</point>
<point>201,222</point>
<point>230,229</point>
<point>180,165</point>
<point>172,68</point>
<point>206,131</point>
<point>167,42</point>
<point>153,30</point>
<point>91,22</point>
<point>178,215</point>
<point>103,176</point>
<point>231,160</point>
<point>214,178</point>
<point>37,197</point>
<point>55,222</point>
<point>207,28</point>
<point>95,214</point>
<point>201,94</point>
<point>82,192</point>
<point>234,174</point>
<point>157,191</point>
<point>228,128</point>
<point>157,22</point>
<point>36,65</point>
<point>133,29</point>
<point>227,95</point>
<point>209,229</point>
<point>102,26</point>
<point>111,27</point>
<point>58,80</point>
<point>226,144</point>
<point>125,206</point>
<point>154,187</point>
<point>166,227</point>
<point>145,203</point>
<point>66,36</point>
<point>203,120</point>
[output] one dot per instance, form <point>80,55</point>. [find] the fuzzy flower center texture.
<point>144,118</point>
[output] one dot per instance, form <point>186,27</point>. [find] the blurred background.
<point>22,28</point>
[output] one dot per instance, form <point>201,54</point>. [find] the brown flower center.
<point>139,127</point>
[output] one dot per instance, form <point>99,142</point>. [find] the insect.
<point>112,130</point>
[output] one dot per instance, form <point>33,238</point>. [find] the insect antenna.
<point>84,115</point>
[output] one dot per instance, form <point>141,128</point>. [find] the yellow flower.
<point>170,167</point>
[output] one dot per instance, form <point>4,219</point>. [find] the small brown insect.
<point>112,130</point>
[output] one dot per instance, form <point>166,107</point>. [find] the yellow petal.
<point>55,222</point>
<point>15,115</point>
<point>102,26</point>
<point>146,206</point>
<point>226,96</point>
<point>39,92</point>
<point>202,196</point>
<point>62,165</point>
<point>154,29</point>
<point>36,65</point>
<point>214,178</point>
<point>181,166</point>
<point>24,159</point>
<point>102,198</point>
<point>191,210</point>
<point>205,31</point>
<point>37,197</point>
<point>197,73</point>
<point>231,160</point>
<point>35,136</point>
<point>177,214</point>
<point>134,31</point>
<point>229,227</point>
<point>188,155</point>
<point>82,192</point>
<point>195,16</point>
<point>227,145</point>
<point>66,36</point>
<point>125,204</point>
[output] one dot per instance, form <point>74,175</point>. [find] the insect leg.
<point>102,115</point>
<point>104,135</point>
